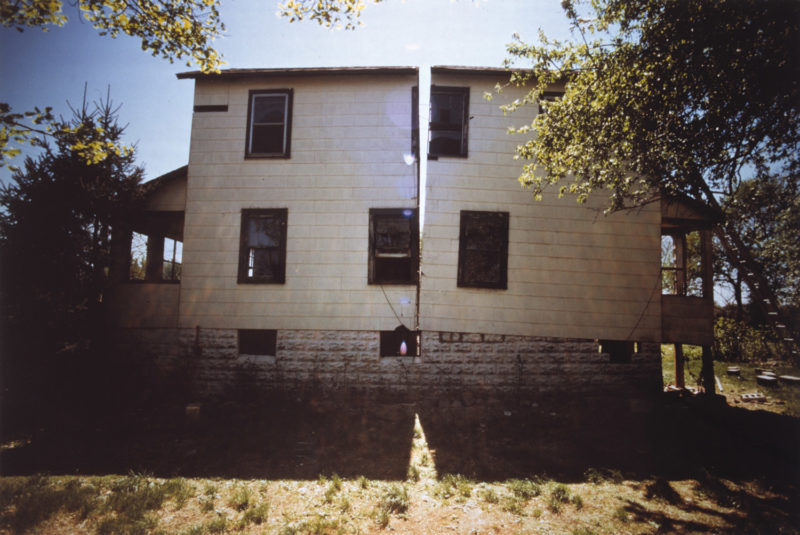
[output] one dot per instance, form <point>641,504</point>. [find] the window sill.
<point>437,156</point>
<point>266,157</point>
<point>150,282</point>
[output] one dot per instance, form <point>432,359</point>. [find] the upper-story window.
<point>449,120</point>
<point>262,252</point>
<point>269,123</point>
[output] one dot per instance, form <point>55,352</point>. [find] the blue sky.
<point>50,68</point>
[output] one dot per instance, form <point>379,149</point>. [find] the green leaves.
<point>662,97</point>
<point>336,14</point>
<point>182,29</point>
<point>89,140</point>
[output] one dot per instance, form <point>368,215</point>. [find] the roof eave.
<point>232,74</point>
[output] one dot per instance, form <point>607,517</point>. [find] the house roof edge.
<point>295,71</point>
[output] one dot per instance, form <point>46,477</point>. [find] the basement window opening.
<point>262,342</point>
<point>619,351</point>
<point>401,342</point>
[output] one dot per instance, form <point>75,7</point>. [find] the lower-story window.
<point>262,251</point>
<point>483,250</point>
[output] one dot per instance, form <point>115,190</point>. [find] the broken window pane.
<point>156,247</point>
<point>483,250</point>
<point>263,248</point>
<point>694,268</point>
<point>171,265</point>
<point>393,246</point>
<point>669,269</point>
<point>682,263</point>
<point>448,121</point>
<point>138,263</point>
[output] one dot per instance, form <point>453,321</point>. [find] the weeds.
<point>37,498</point>
<point>425,459</point>
<point>489,495</point>
<point>454,485</point>
<point>514,505</point>
<point>524,488</point>
<point>602,475</point>
<point>240,498</point>
<point>334,486</point>
<point>217,525</point>
<point>142,525</point>
<point>256,515</point>
<point>362,482</point>
<point>413,473</point>
<point>395,499</point>
<point>558,495</point>
<point>621,514</point>
<point>381,517</point>
<point>179,490</point>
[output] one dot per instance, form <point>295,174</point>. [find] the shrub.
<point>736,341</point>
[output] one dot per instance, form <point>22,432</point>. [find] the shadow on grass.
<point>271,438</point>
<point>487,438</point>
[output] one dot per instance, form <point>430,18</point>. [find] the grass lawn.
<point>782,398</point>
<point>602,502</point>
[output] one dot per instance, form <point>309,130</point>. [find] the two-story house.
<point>326,235</point>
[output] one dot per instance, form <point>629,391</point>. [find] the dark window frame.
<point>443,126</point>
<point>375,255</point>
<point>257,342</point>
<point>287,124</point>
<point>468,217</point>
<point>244,249</point>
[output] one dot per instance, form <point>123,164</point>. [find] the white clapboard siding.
<point>349,136</point>
<point>572,271</point>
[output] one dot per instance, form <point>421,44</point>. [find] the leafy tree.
<point>56,216</point>
<point>663,97</point>
<point>766,214</point>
